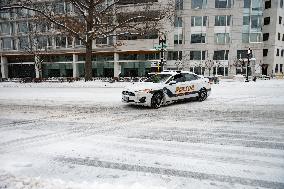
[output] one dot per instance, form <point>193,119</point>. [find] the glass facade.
<point>57,70</point>
<point>252,21</point>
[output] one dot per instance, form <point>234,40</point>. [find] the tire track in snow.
<point>75,131</point>
<point>171,172</point>
<point>201,154</point>
<point>210,140</point>
<point>216,133</point>
<point>206,147</point>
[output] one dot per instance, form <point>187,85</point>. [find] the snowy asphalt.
<point>235,139</point>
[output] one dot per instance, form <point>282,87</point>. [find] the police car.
<point>167,87</point>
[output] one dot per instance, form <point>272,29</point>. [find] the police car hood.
<point>144,85</point>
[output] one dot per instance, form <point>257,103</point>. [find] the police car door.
<point>192,85</point>
<point>174,86</point>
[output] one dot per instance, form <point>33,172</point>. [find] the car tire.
<point>156,100</point>
<point>202,95</point>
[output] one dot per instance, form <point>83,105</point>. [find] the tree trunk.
<point>88,61</point>
<point>38,67</point>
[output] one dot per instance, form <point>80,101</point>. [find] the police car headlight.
<point>145,91</point>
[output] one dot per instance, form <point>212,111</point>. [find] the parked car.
<point>167,87</point>
<point>264,77</point>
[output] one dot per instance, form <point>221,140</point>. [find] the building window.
<point>251,37</point>
<point>281,68</point>
<point>198,21</point>
<point>256,21</point>
<point>266,20</point>
<point>257,5</point>
<point>23,43</point>
<point>222,20</point>
<point>265,52</point>
<point>255,37</point>
<point>277,52</point>
<point>5,14</point>
<point>265,36</point>
<point>283,37</point>
<point>276,68</point>
<point>279,36</point>
<point>222,38</point>
<point>174,55</point>
<point>247,3</point>
<point>222,3</point>
<point>23,27</point>
<point>178,38</point>
<point>198,4</point>
<point>198,38</point>
<point>5,28</point>
<point>197,55</point>
<point>267,4</point>
<point>59,8</point>
<point>60,42</point>
<point>245,37</point>
<point>101,41</point>
<point>282,52</point>
<point>41,42</point>
<point>7,43</point>
<point>280,20</point>
<point>281,3</point>
<point>242,53</point>
<point>221,55</point>
<point>246,20</point>
<point>178,22</point>
<point>179,5</point>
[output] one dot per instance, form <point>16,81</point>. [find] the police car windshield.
<point>158,78</point>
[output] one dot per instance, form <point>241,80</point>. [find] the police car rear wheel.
<point>156,100</point>
<point>202,95</point>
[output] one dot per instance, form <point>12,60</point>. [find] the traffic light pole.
<point>162,42</point>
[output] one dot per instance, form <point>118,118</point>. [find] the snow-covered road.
<point>80,135</point>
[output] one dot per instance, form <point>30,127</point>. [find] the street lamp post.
<point>162,42</point>
<point>248,56</point>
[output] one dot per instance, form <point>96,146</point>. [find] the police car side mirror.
<point>172,82</point>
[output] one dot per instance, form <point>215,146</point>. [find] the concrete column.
<point>75,66</point>
<point>116,66</point>
<point>4,67</point>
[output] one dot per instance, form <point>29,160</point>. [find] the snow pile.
<point>8,181</point>
<point>75,84</point>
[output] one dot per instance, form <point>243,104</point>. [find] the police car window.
<point>190,77</point>
<point>179,78</point>
<point>158,78</point>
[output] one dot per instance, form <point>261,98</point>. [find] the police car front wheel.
<point>202,95</point>
<point>156,100</point>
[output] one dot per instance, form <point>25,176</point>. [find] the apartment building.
<point>207,37</point>
<point>273,36</point>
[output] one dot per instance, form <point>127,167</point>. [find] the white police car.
<point>167,87</point>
